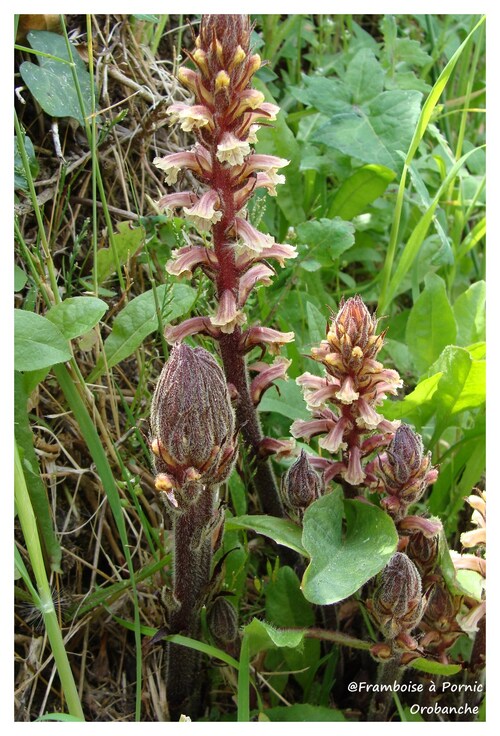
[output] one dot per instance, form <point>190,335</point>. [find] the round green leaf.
<point>77,315</point>
<point>38,342</point>
<point>342,562</point>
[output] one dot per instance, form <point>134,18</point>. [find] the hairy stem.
<point>388,673</point>
<point>193,553</point>
<point>233,360</point>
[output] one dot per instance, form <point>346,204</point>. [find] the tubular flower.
<point>354,384</point>
<point>224,120</point>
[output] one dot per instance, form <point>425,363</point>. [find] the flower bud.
<point>442,608</point>
<point>192,421</point>
<point>423,551</point>
<point>222,620</point>
<point>406,471</point>
<point>301,485</point>
<point>397,603</point>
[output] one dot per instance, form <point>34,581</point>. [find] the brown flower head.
<point>192,422</point>
<point>397,603</point>
<point>301,485</point>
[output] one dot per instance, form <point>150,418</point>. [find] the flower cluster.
<point>343,401</point>
<point>224,119</point>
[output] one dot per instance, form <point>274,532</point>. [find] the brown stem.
<point>192,569</point>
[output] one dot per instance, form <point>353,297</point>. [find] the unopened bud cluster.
<point>192,425</point>
<point>403,472</point>
<point>397,604</point>
<point>300,486</point>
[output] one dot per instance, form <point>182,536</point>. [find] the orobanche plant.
<point>348,508</point>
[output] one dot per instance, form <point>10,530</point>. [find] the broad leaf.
<point>127,242</point>
<point>431,324</point>
<point>375,131</point>
<point>360,190</point>
<point>470,314</point>
<point>326,239</point>
<point>77,315</point>
<point>51,81</point>
<point>38,342</point>
<point>263,636</point>
<point>342,562</point>
<point>287,607</point>
<point>282,531</point>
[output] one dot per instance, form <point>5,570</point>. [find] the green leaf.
<point>20,181</point>
<point>51,81</point>
<point>431,324</point>
<point>36,487</point>
<point>289,402</point>
<point>262,636</point>
<point>301,712</point>
<point>283,531</point>
<point>77,315</point>
<point>20,278</point>
<point>278,140</point>
<point>469,310</point>
<point>38,343</point>
<point>472,583</point>
<point>435,668</point>
<point>342,563</point>
<point>127,242</point>
<point>462,385</point>
<point>364,76</point>
<point>317,324</point>
<point>138,319</point>
<point>375,131</point>
<point>326,238</point>
<point>286,606</point>
<point>362,188</point>
<point>421,396</point>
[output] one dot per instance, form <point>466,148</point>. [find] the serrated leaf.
<point>77,315</point>
<point>138,319</point>
<point>375,131</point>
<point>326,238</point>
<point>51,82</point>
<point>38,342</point>
<point>364,76</point>
<point>362,188</point>
<point>342,563</point>
<point>431,325</point>
<point>282,531</point>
